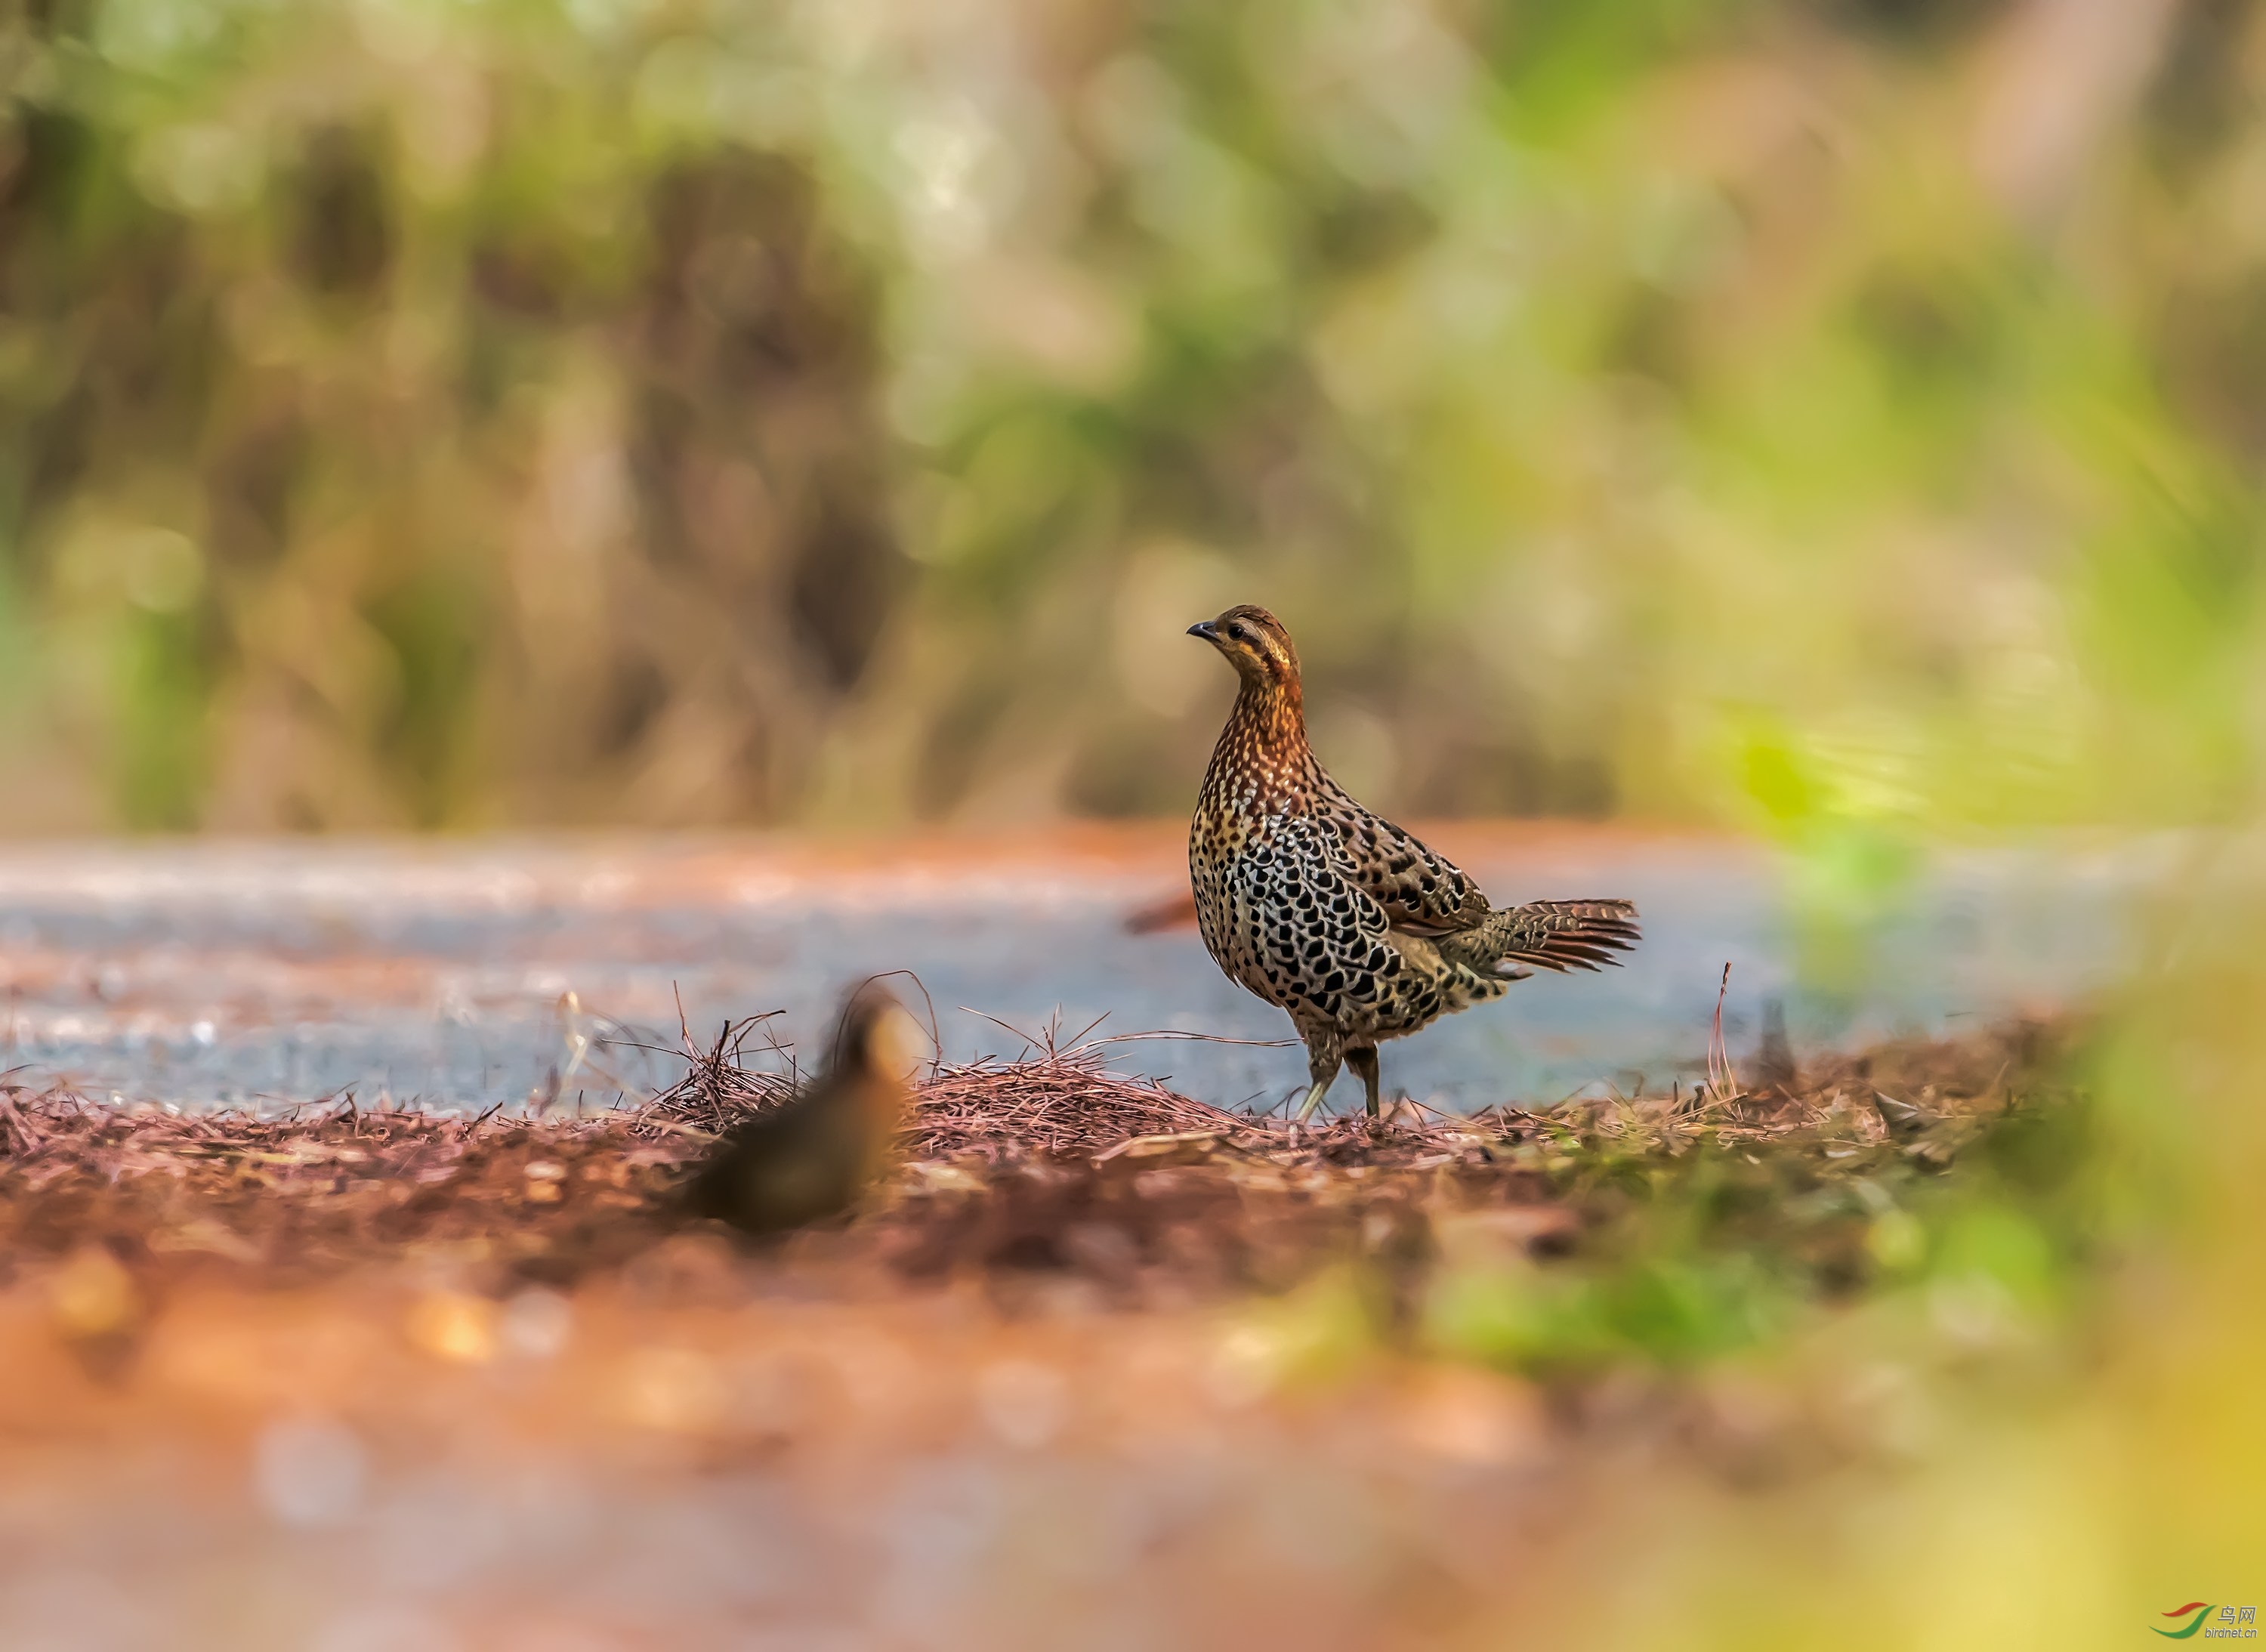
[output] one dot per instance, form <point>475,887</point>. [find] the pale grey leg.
<point>1323,1051</point>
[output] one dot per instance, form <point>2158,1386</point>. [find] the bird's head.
<point>1255,644</point>
<point>878,1039</point>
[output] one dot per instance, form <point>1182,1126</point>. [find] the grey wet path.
<point>464,975</point>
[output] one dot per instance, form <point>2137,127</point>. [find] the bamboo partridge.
<point>1337,915</point>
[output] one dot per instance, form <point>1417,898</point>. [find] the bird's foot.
<point>1313,1100</point>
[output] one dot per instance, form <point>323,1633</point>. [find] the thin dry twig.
<point>1722,1080</point>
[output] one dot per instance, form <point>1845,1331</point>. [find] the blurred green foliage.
<point>1697,1253</point>
<point>1835,417</point>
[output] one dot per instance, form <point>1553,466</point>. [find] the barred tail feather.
<point>1558,935</point>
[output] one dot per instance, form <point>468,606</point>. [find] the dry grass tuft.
<point>719,1087</point>
<point>1059,1103</point>
<point>1056,1100</point>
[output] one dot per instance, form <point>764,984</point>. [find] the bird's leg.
<point>1362,1059</point>
<point>1323,1054</point>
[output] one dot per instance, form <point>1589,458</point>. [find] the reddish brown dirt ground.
<point>365,1381</point>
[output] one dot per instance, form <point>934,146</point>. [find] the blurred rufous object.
<point>814,1155</point>
<point>1176,910</point>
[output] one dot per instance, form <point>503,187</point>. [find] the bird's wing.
<point>1320,938</point>
<point>1422,891</point>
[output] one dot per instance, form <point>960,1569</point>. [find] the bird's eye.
<point>1239,634</point>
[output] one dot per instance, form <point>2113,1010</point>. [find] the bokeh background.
<point>1837,419</point>
<point>1817,415</point>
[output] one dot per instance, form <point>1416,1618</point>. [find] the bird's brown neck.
<point>1273,712</point>
<point>1262,758</point>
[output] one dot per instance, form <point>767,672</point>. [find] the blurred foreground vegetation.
<point>1827,415</point>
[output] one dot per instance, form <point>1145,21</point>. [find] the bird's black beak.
<point>1205,629</point>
